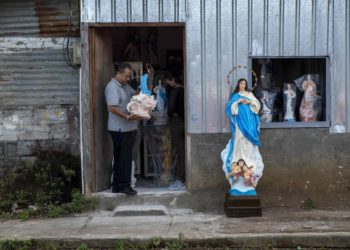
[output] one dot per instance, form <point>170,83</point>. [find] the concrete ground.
<point>279,228</point>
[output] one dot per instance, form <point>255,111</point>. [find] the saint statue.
<point>242,162</point>
<point>289,97</point>
<point>310,107</point>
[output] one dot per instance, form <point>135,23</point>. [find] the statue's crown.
<point>241,67</point>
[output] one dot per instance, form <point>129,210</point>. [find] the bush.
<point>57,176</point>
<point>17,245</point>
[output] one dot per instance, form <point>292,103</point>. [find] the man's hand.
<point>133,117</point>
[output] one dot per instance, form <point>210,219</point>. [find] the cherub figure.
<point>236,170</point>
<point>248,174</point>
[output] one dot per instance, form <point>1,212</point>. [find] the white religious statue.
<point>289,97</point>
<point>242,162</point>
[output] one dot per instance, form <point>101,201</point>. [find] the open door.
<point>102,70</point>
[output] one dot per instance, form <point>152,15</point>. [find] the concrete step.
<point>169,199</point>
<point>141,210</point>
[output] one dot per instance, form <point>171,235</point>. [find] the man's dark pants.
<point>122,151</point>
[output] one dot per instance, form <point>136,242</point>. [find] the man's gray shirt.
<point>119,95</point>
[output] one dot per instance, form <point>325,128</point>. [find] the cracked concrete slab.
<point>277,227</point>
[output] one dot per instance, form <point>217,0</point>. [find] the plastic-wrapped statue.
<point>242,111</point>
<point>310,106</point>
<point>267,100</point>
<point>141,105</point>
<point>159,116</point>
<point>289,97</point>
<point>144,103</point>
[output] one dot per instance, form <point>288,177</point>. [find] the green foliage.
<point>54,211</point>
<point>154,243</point>
<point>83,246</point>
<point>17,245</point>
<point>16,200</point>
<point>58,174</point>
<point>78,203</point>
<point>177,244</point>
<point>27,214</point>
<point>21,197</point>
<point>123,245</point>
<point>6,206</point>
<point>58,177</point>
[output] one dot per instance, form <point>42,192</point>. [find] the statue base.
<point>242,206</point>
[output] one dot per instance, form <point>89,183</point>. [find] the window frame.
<point>318,124</point>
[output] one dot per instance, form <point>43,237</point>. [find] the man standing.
<point>122,127</point>
<point>176,113</point>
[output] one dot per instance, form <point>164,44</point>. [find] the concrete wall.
<point>24,131</point>
<point>300,164</point>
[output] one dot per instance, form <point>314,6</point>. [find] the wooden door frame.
<point>87,99</point>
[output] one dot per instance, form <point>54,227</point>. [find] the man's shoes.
<point>126,190</point>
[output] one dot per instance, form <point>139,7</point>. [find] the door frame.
<point>87,98</point>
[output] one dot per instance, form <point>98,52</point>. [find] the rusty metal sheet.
<point>41,18</point>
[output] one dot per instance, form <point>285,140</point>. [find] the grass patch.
<point>17,245</point>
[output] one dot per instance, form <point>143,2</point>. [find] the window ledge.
<point>323,124</point>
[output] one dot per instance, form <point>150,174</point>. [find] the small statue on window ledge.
<point>289,97</point>
<point>310,107</point>
<point>267,100</point>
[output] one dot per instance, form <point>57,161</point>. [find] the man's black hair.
<point>121,67</point>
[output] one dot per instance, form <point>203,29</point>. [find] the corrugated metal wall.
<point>32,67</point>
<point>224,33</point>
<point>44,18</point>
<point>33,72</point>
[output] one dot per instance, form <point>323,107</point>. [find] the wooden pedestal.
<point>242,206</point>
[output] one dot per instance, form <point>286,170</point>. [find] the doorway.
<point>159,150</point>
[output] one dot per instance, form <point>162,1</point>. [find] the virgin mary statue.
<point>242,162</point>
